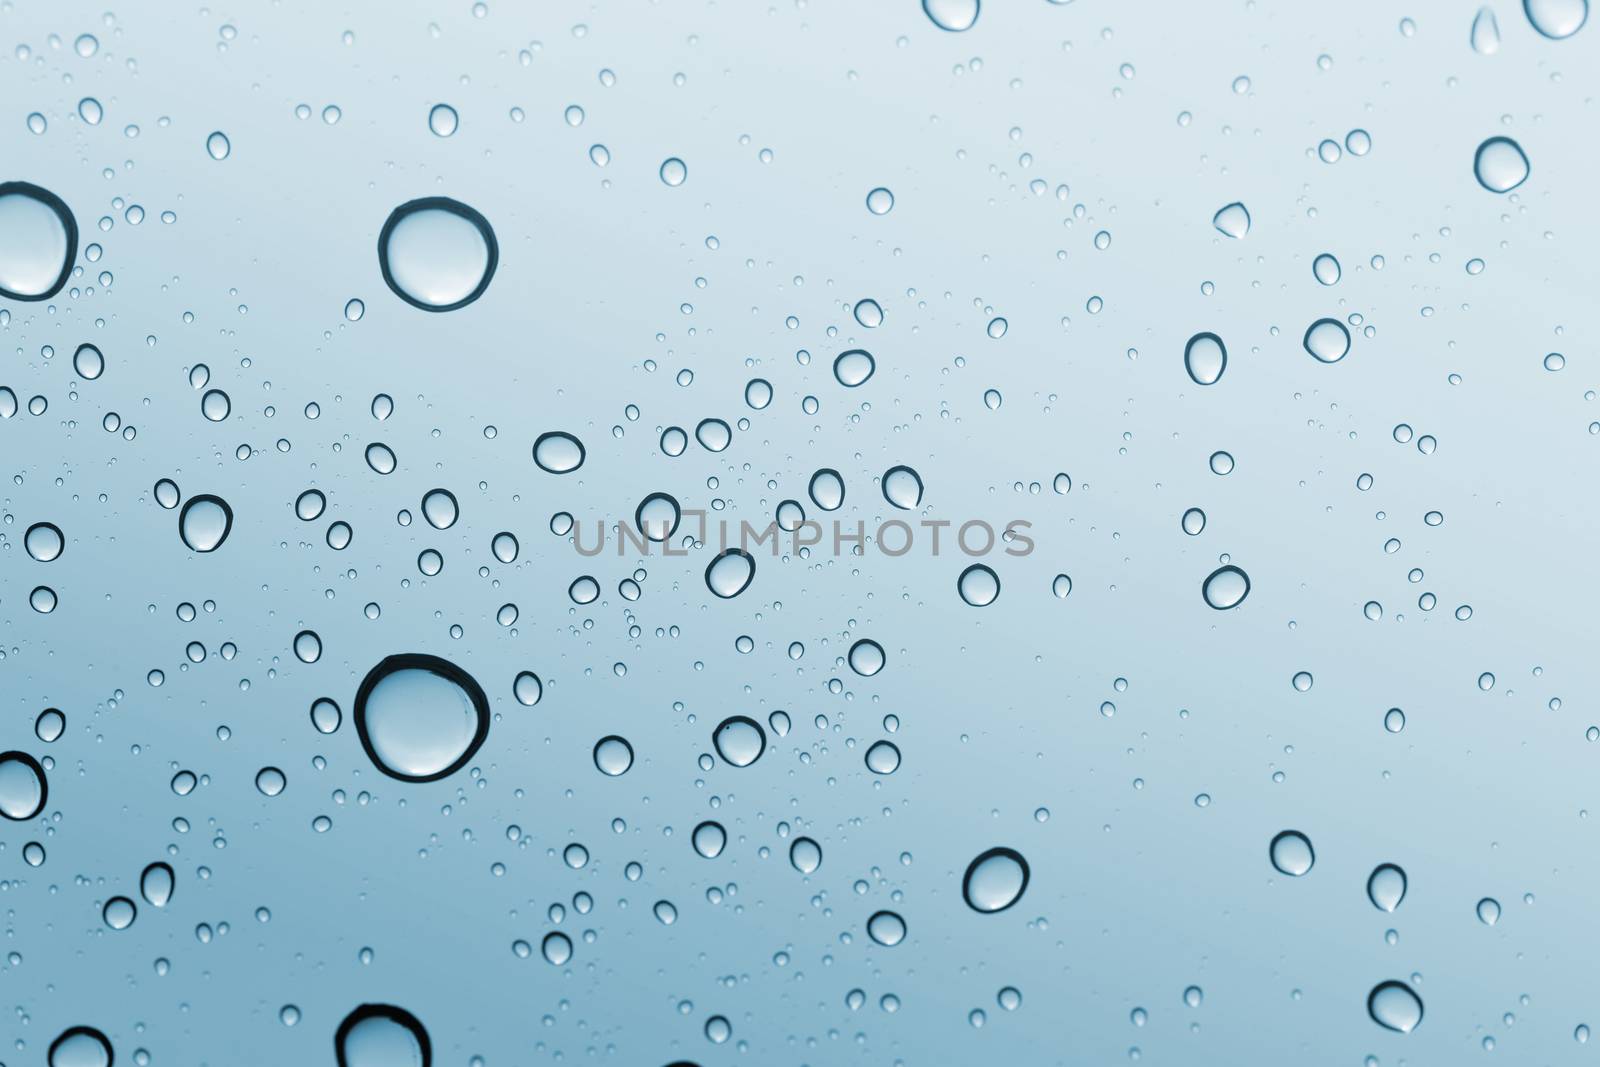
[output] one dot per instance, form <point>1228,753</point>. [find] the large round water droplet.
<point>866,657</point>
<point>740,740</point>
<point>979,585</point>
<point>902,487</point>
<point>880,201</point>
<point>709,839</point>
<point>1205,357</point>
<point>805,855</point>
<point>382,1035</point>
<point>420,718</point>
<point>1232,219</point>
<point>556,948</point>
<point>44,541</point>
<point>613,756</point>
<point>437,254</point>
<point>854,367</point>
<point>440,508</point>
<point>1327,340</point>
<point>827,489</point>
<point>886,928</point>
<point>119,913</point>
<point>730,572</point>
<point>1386,886</point>
<point>23,786</point>
<point>1557,18</point>
<point>1394,1006</point>
<point>558,452</point>
<point>952,15</point>
<point>205,522</point>
<point>674,172</point>
<point>1500,165</point>
<point>80,1046</point>
<point>657,516</point>
<point>1291,853</point>
<point>1226,587</point>
<point>995,880</point>
<point>883,757</point>
<point>38,242</point>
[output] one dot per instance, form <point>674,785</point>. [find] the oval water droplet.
<point>1325,268</point>
<point>1327,340</point>
<point>437,254</point>
<point>24,789</point>
<point>38,242</point>
<point>1205,357</point>
<point>205,522</point>
<point>381,458</point>
<point>739,740</point>
<point>440,508</point>
<point>952,15</point>
<point>805,855</point>
<point>156,885</point>
<point>1488,911</point>
<point>1394,1006</point>
<point>886,928</point>
<point>1386,886</point>
<point>730,572</point>
<point>1556,19</point>
<point>657,516</point>
<point>443,120</point>
<point>558,452</point>
<point>869,313</point>
<point>1226,587</point>
<point>709,839</point>
<point>995,880</point>
<point>88,362</point>
<point>854,367</point>
<point>1292,854</point>
<point>80,1046</point>
<point>978,585</point>
<point>382,1035</point>
<point>1500,165</point>
<point>827,489</point>
<point>420,718</point>
<point>902,487</point>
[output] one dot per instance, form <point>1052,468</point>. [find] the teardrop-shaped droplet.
<point>205,522</point>
<point>38,242</point>
<point>420,718</point>
<point>1226,587</point>
<point>1500,165</point>
<point>80,1046</point>
<point>613,756</point>
<point>382,1035</point>
<point>1485,32</point>
<point>1557,19</point>
<point>437,254</point>
<point>156,885</point>
<point>739,740</point>
<point>558,452</point>
<point>24,789</point>
<point>827,489</point>
<point>979,585</point>
<point>730,573</point>
<point>952,15</point>
<point>1205,357</point>
<point>886,928</point>
<point>854,367</point>
<point>1488,911</point>
<point>709,839</point>
<point>1394,1006</point>
<point>995,880</point>
<point>1292,854</point>
<point>902,487</point>
<point>805,855</point>
<point>1327,340</point>
<point>1232,219</point>
<point>1386,886</point>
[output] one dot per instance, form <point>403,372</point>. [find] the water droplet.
<point>1386,887</point>
<point>1500,165</point>
<point>156,884</point>
<point>613,756</point>
<point>997,328</point>
<point>995,880</point>
<point>1394,1006</point>
<point>527,688</point>
<point>23,786</point>
<point>739,740</point>
<point>709,839</point>
<point>1232,219</point>
<point>1325,269</point>
<point>854,367</point>
<point>205,522</point>
<point>218,146</point>
<point>1194,521</point>
<point>309,505</point>
<point>420,718</point>
<point>1061,586</point>
<point>866,657</point>
<point>805,855</point>
<point>38,242</point>
<point>714,435</point>
<point>1292,854</point>
<point>886,928</point>
<point>1205,357</point>
<point>730,573</point>
<point>827,489</point>
<point>270,781</point>
<point>1488,911</point>
<point>657,516</point>
<point>80,1046</point>
<point>1327,340</point>
<point>883,757</point>
<point>1221,463</point>
<point>437,254</point>
<point>1226,587</point>
<point>88,362</point>
<point>381,458</point>
<point>1394,720</point>
<point>1557,19</point>
<point>1194,996</point>
<point>902,487</point>
<point>880,201</point>
<point>674,172</point>
<point>952,15</point>
<point>439,507</point>
<point>44,541</point>
<point>979,585</point>
<point>119,913</point>
<point>50,725</point>
<point>1485,32</point>
<point>443,120</point>
<point>869,314</point>
<point>558,452</point>
<point>382,1035</point>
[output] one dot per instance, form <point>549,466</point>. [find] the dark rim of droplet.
<point>746,720</point>
<point>1377,991</point>
<point>70,224</point>
<point>455,207</point>
<point>583,453</point>
<point>607,739</point>
<point>982,858</point>
<point>747,557</point>
<point>81,1031</point>
<point>638,515</point>
<point>434,665</point>
<point>44,783</point>
<point>1206,335</point>
<point>227,518</point>
<point>395,1015</point>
